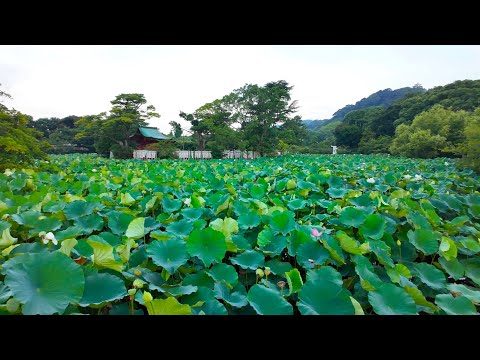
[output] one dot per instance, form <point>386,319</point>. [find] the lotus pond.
<point>333,234</point>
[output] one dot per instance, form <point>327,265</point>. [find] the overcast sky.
<point>57,81</point>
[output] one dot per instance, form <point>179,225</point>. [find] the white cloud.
<point>48,81</point>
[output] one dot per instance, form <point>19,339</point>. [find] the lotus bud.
<point>399,243</point>
<point>137,272</point>
<point>260,273</point>
<point>137,283</point>
<point>147,297</point>
<point>267,271</point>
<point>132,292</point>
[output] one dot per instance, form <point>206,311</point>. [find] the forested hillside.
<point>382,98</point>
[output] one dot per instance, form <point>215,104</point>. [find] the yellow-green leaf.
<point>67,246</point>
<point>168,306</point>
<point>103,256</point>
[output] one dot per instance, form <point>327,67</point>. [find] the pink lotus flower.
<point>316,233</point>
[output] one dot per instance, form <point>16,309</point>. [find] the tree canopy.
<point>19,144</point>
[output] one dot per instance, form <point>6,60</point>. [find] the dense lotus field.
<point>336,234</point>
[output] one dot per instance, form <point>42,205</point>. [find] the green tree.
<point>435,132</point>
<point>416,143</point>
<point>348,135</point>
<point>470,149</point>
<point>132,106</point>
<point>264,109</point>
<point>292,135</point>
<point>176,129</point>
<point>19,144</point>
<point>112,132</point>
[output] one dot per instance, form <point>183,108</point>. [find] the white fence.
<point>144,154</point>
<point>238,154</point>
<point>191,154</point>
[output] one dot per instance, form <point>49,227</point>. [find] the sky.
<point>61,80</point>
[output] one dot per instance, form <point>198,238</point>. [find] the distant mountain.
<point>381,98</point>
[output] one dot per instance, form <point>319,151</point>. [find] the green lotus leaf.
<point>323,294</point>
<point>89,223</point>
<point>236,298</point>
<point>126,199</point>
<point>180,228</point>
<point>352,217</point>
<point>366,272</point>
<point>312,253</point>
<point>257,191</point>
<point>169,254</point>
<point>469,292</point>
<point>76,209</point>
<point>278,267</point>
<point>192,213</point>
<point>168,306</point>
<point>420,299</point>
<point>249,220</point>
<point>267,301</point>
<point>207,244</point>
<point>453,267</point>
<point>227,227</point>
<point>177,291</point>
<point>373,227</point>
<point>294,280</point>
<point>4,225</point>
<point>102,287</point>
<point>45,283</point>
<point>214,307</point>
<point>358,308</point>
<point>103,256</point>
<point>391,300</point>
<point>136,228</point>
<point>67,246</point>
<point>249,259</point>
<point>224,272</point>
<point>333,247</point>
<point>27,218</point>
<point>348,244</point>
<point>448,248</point>
<point>291,184</point>
<point>424,240</point>
<point>118,221</point>
<point>336,193</point>
<point>275,247</point>
<point>282,222</point>
<point>54,206</point>
<point>5,293</point>
<point>472,269</point>
<point>419,221</point>
<point>459,305</point>
<point>382,251</point>
<point>171,205</point>
<point>296,204</point>
<point>265,237</point>
<point>396,272</point>
<point>7,239</point>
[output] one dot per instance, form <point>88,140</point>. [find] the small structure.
<point>193,154</point>
<point>144,136</point>
<point>145,154</point>
<point>147,135</point>
<point>334,149</point>
<point>238,154</point>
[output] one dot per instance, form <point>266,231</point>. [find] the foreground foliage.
<point>295,235</point>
